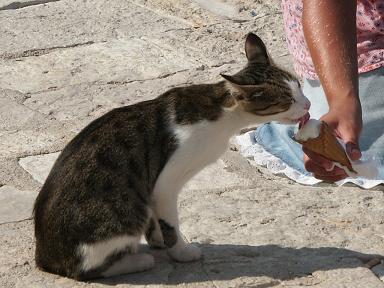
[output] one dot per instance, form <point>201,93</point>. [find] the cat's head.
<point>265,90</point>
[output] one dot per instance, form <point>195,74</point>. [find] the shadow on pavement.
<point>228,262</point>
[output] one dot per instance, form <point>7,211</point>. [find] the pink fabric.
<point>370,36</point>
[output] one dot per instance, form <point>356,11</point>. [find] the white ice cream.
<point>310,130</point>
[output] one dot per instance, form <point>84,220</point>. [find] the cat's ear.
<point>235,80</point>
<point>255,49</point>
<point>246,91</point>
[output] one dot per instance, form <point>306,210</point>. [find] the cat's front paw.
<point>186,253</point>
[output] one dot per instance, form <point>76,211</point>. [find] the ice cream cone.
<point>327,145</point>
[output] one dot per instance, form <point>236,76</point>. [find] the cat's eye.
<point>253,96</point>
<point>257,94</point>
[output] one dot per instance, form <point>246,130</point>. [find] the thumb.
<point>350,137</point>
<point>353,150</point>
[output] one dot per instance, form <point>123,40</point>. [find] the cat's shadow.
<point>228,262</point>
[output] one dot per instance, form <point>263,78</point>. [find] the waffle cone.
<point>327,145</point>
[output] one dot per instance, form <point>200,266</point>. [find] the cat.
<point>119,178</point>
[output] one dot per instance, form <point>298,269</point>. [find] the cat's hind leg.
<point>130,263</point>
<point>112,257</point>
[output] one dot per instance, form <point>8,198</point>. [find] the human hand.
<point>347,122</point>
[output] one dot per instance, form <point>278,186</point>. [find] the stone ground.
<point>63,63</point>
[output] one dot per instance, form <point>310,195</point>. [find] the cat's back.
<point>106,154</point>
<point>127,142</point>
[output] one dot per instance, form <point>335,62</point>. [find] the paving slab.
<point>13,5</point>
<point>14,114</point>
<point>64,25</point>
<point>231,258</point>
<point>39,166</point>
<point>65,103</point>
<point>64,63</point>
<point>18,142</point>
<point>147,60</point>
<point>15,205</point>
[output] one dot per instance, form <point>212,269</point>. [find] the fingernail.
<point>356,154</point>
<point>329,167</point>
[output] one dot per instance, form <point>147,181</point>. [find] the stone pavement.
<point>63,63</point>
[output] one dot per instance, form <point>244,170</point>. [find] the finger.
<point>312,166</point>
<point>337,171</point>
<point>330,179</point>
<point>318,159</point>
<point>353,150</point>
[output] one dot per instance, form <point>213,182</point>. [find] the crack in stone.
<point>143,80</point>
<point>112,82</point>
<point>55,88</point>
<point>19,5</point>
<point>222,64</point>
<point>165,75</point>
<point>45,152</point>
<point>41,152</point>
<point>40,52</point>
<point>181,29</point>
<point>164,14</point>
<point>18,221</point>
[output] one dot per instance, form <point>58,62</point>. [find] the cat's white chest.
<point>199,144</point>
<point>202,143</point>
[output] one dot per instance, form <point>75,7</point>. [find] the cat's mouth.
<point>302,120</point>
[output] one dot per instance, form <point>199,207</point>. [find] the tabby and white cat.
<point>119,178</point>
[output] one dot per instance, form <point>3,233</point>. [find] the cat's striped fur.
<point>119,178</point>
